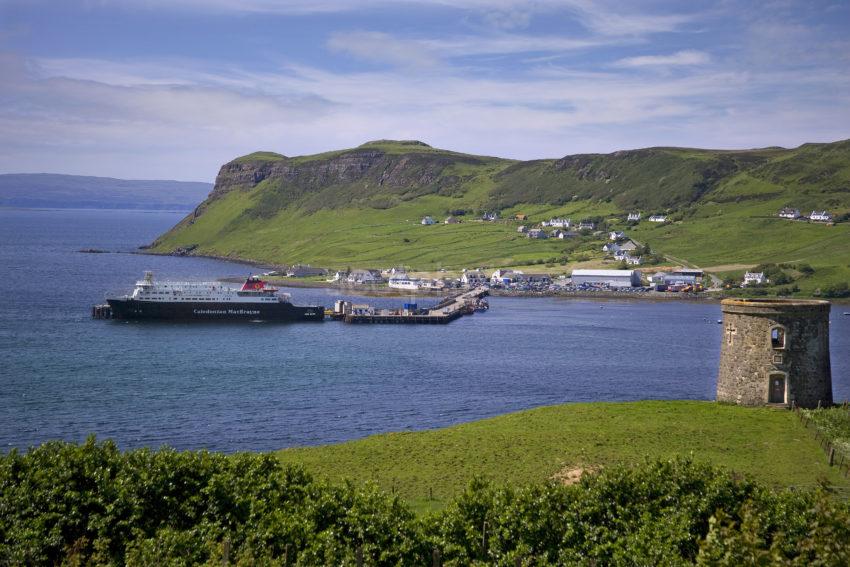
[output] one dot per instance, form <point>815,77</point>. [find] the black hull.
<point>212,311</point>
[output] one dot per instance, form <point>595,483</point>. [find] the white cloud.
<point>182,118</point>
<point>612,20</point>
<point>383,48</point>
<point>602,17</point>
<point>686,57</point>
<point>423,53</point>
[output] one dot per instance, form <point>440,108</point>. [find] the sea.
<point>262,386</point>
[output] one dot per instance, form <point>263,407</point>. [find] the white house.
<point>403,281</point>
<point>658,218</point>
<point>821,216</point>
<point>537,233</point>
<point>611,247</point>
<point>634,216</point>
<point>522,229</point>
<point>364,277</point>
<point>788,213</point>
<point>586,225</point>
<point>428,221</point>
<point>559,223</point>
<point>502,276</point>
<point>755,278</point>
<point>567,234</point>
<point>490,216</point>
<point>472,278</point>
<point>610,278</point>
<point>633,260</point>
<point>616,235</point>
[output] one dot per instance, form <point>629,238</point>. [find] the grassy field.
<point>748,233</point>
<point>429,467</point>
<point>372,237</point>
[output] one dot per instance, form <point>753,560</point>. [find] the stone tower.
<point>775,351</point>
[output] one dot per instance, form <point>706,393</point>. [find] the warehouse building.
<point>610,278</point>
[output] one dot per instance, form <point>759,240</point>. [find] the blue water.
<point>236,387</point>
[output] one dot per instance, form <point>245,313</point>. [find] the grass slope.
<point>531,446</point>
<point>722,204</point>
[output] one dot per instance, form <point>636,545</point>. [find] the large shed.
<point>611,278</point>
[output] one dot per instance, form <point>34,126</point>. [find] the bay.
<point>260,387</point>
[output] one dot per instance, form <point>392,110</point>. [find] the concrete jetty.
<point>444,312</point>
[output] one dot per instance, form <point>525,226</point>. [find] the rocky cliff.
<point>377,174</point>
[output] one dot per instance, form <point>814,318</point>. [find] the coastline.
<point>383,291</point>
<point>379,291</point>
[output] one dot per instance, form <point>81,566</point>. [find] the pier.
<point>444,312</point>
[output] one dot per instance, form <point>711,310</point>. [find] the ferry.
<point>210,301</point>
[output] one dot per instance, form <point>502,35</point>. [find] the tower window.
<point>777,337</point>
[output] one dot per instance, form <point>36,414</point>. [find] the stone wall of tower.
<point>749,360</point>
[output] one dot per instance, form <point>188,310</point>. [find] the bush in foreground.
<point>90,503</point>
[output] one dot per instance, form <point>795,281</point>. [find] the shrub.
<point>836,290</point>
<point>90,503</point>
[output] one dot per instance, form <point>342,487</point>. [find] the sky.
<point>172,89</point>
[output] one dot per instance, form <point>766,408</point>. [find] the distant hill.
<point>49,190</point>
<point>362,207</point>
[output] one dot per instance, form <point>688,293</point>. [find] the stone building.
<point>775,351</point>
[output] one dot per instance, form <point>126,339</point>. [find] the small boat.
<point>720,321</point>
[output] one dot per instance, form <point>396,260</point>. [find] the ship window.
<point>777,337</point>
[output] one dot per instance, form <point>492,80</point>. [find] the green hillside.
<point>429,468</point>
<point>363,206</point>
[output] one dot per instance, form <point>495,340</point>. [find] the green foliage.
<point>91,504</point>
<point>840,289</point>
<point>834,423</point>
<point>94,503</point>
<point>774,274</point>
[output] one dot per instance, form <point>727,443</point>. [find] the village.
<point>625,263</point>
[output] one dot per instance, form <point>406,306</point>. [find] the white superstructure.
<point>253,290</point>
